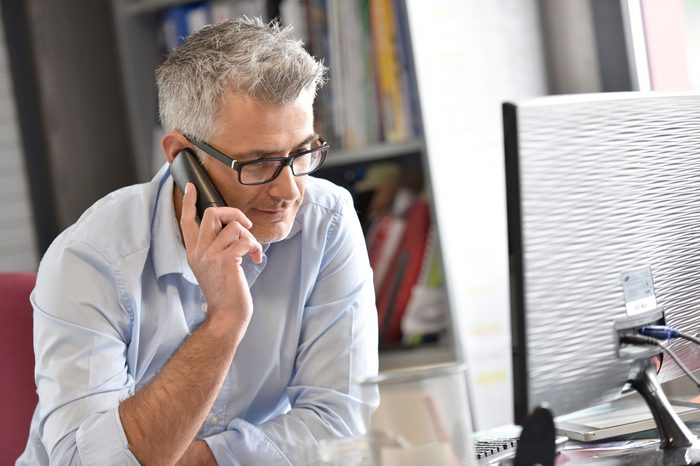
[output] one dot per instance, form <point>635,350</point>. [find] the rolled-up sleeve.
<point>81,373</point>
<point>243,443</point>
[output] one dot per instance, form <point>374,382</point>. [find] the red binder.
<point>403,273</point>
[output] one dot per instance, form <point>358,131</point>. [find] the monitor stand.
<point>678,445</point>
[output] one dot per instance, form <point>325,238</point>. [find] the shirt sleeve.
<point>337,349</point>
<point>80,332</point>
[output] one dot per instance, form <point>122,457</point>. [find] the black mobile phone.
<point>185,168</point>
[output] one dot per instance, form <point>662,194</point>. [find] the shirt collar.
<point>168,252</point>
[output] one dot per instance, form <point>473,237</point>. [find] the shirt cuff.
<point>242,444</point>
<point>101,440</point>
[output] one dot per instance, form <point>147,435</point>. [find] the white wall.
<point>692,34</point>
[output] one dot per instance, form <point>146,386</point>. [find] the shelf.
<point>338,158</point>
<point>413,357</point>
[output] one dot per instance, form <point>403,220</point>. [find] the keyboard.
<point>490,450</point>
<point>493,450</point>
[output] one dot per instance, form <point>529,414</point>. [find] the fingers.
<point>256,253</point>
<point>214,220</point>
<point>227,215</point>
<point>188,215</point>
<point>236,241</point>
<point>221,229</point>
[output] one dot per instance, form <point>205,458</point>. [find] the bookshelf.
<point>372,153</point>
<point>386,137</point>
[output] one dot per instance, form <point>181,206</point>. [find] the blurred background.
<point>78,119</point>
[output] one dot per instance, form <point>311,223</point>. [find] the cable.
<point>651,341</point>
<point>692,338</point>
<point>662,332</point>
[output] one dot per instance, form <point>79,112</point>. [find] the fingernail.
<point>188,187</point>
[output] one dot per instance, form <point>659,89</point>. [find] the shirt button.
<point>214,419</point>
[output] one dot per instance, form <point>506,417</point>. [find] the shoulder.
<point>328,214</point>
<point>115,226</point>
<point>324,195</point>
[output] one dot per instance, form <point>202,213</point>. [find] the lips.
<point>279,211</point>
<point>275,213</point>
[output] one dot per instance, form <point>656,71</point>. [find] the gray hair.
<point>262,61</point>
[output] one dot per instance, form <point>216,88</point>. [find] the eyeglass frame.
<point>287,161</point>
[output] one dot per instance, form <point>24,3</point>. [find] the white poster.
<point>470,56</point>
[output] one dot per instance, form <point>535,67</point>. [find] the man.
<point>239,339</point>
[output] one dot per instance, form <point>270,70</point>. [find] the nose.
<point>285,185</point>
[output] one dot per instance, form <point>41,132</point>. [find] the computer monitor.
<point>603,197</point>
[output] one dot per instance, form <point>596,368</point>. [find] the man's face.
<point>247,129</point>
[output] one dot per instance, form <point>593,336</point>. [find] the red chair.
<point>17,390</point>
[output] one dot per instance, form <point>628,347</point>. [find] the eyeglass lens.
<point>266,170</point>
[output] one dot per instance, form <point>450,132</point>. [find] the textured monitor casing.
<point>598,184</point>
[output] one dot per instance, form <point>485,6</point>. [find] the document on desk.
<point>624,416</point>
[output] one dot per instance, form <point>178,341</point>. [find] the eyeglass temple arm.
<point>220,156</point>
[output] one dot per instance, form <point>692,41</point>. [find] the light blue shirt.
<point>115,297</point>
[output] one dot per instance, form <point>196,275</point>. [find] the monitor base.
<point>677,446</point>
<point>673,433</point>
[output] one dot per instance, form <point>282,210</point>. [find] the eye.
<point>261,164</point>
<point>306,147</point>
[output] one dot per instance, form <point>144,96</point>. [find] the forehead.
<point>241,117</point>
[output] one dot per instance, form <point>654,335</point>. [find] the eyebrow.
<point>255,154</point>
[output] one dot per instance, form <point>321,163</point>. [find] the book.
<point>370,90</point>
<point>180,21</point>
<point>390,99</point>
<point>427,311</point>
<point>370,96</point>
<point>409,86</point>
<point>337,69</point>
<point>403,273</point>
<point>318,45</point>
<point>353,84</point>
<point>383,240</point>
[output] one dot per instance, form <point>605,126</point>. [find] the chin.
<point>272,233</point>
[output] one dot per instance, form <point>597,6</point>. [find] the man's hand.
<point>215,250</point>
<point>162,419</point>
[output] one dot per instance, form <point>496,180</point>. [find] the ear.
<point>172,143</point>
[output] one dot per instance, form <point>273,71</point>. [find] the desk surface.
<point>637,449</point>
<point>610,452</point>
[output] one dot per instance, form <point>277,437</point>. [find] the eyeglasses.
<point>264,170</point>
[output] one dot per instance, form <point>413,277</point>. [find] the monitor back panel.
<point>599,185</point>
